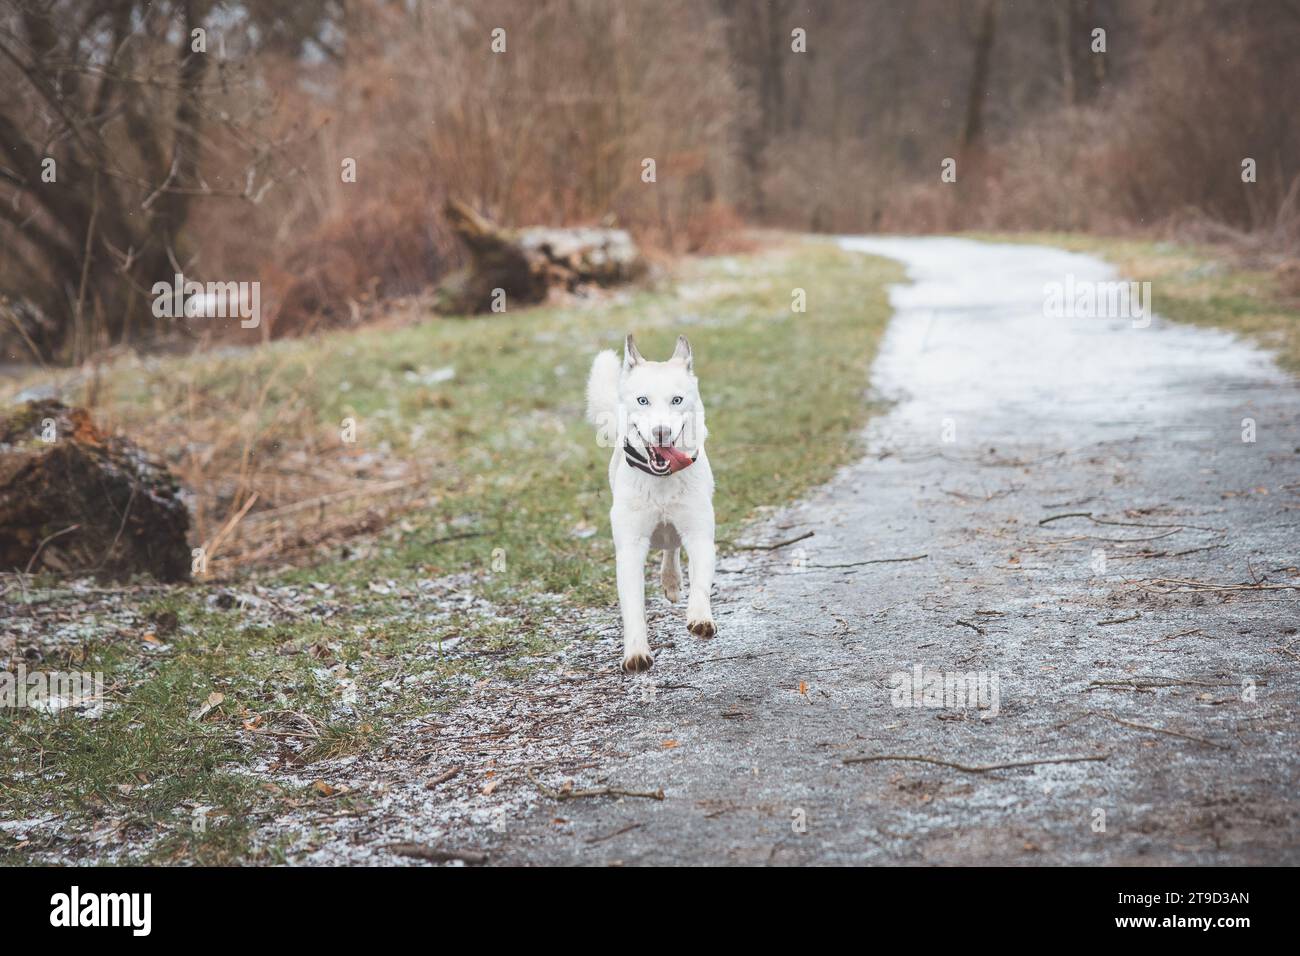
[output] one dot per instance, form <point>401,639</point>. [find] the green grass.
<point>144,757</point>
<point>511,462</point>
<point>1195,284</point>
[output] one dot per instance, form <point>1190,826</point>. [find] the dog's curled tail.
<point>602,393</point>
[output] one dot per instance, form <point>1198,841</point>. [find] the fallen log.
<point>523,266</point>
<point>75,500</point>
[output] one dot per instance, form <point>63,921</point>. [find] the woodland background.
<point>226,164</point>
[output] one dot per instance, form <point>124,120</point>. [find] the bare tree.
<point>113,106</point>
<point>979,80</point>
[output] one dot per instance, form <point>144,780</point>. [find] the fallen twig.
<point>563,794</point>
<point>1184,586</point>
<point>442,778</point>
<point>1158,730</point>
<point>749,656</point>
<point>1119,620</point>
<point>773,547</point>
<point>978,768</point>
<point>974,627</point>
<point>988,495</point>
<point>435,855</point>
<point>1142,683</point>
<point>609,836</point>
<point>1147,537</point>
<point>1149,555</point>
<point>1125,524</point>
<point>858,564</point>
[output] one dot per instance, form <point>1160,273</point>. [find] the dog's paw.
<point>635,663</point>
<point>673,591</point>
<point>702,626</point>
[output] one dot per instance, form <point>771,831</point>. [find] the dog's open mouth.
<point>658,459</point>
<point>668,457</point>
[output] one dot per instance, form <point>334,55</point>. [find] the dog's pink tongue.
<point>676,458</point>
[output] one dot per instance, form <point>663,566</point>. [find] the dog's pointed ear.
<point>683,354</point>
<point>631,356</point>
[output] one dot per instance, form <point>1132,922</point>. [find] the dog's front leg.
<point>700,550</point>
<point>630,550</point>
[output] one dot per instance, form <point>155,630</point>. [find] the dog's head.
<point>662,401</point>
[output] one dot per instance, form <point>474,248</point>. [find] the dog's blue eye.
<point>677,399</point>
<point>643,400</point>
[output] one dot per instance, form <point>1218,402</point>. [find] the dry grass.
<point>269,481</point>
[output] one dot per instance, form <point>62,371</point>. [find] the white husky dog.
<point>663,487</point>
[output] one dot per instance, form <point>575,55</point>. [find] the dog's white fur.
<point>664,512</point>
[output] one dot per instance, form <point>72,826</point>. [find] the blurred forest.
<point>230,162</point>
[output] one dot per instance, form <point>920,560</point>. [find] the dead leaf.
<point>490,787</point>
<point>803,687</point>
<point>669,744</point>
<point>214,700</point>
<point>324,789</point>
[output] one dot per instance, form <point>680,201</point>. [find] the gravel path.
<point>1070,634</point>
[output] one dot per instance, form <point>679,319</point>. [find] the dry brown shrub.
<point>384,250</point>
